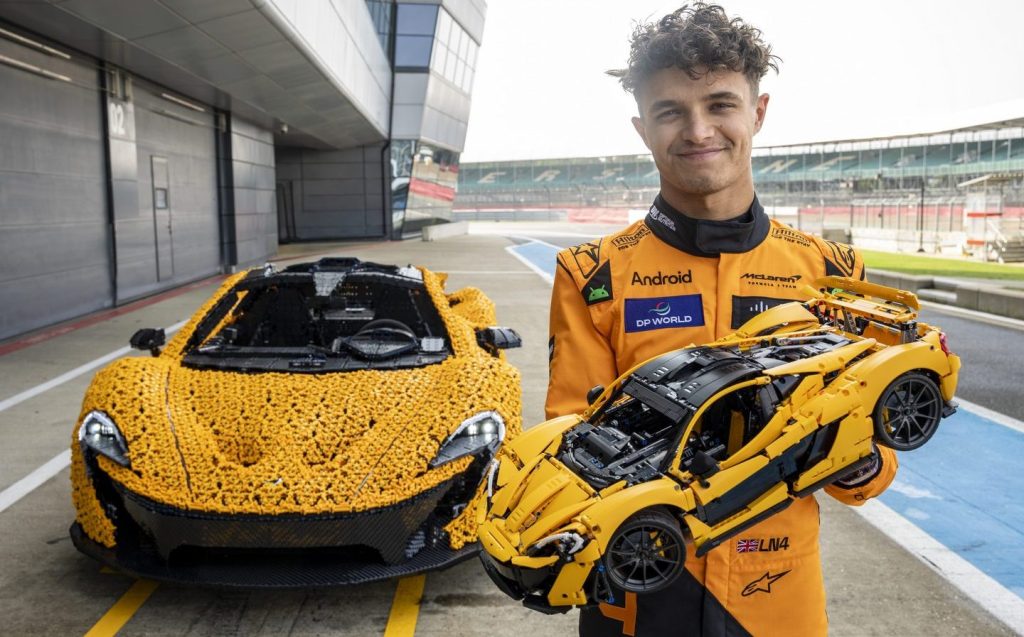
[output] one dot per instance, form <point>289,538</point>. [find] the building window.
<point>454,56</point>
<point>415,36</point>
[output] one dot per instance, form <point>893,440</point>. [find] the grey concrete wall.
<point>336,194</point>
<point>54,249</point>
<point>255,210</point>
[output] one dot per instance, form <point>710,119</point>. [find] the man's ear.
<point>760,108</point>
<point>638,124</point>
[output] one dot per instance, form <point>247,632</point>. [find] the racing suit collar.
<point>708,238</point>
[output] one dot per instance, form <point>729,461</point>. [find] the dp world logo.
<point>663,312</point>
<point>661,309</point>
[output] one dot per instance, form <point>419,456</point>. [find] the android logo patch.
<point>598,288</point>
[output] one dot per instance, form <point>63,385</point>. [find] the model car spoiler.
<point>864,288</point>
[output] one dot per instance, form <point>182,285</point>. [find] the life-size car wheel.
<point>646,553</point>
<point>908,412</point>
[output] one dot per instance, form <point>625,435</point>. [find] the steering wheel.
<point>390,327</point>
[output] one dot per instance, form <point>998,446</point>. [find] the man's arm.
<point>856,489</point>
<point>579,356</point>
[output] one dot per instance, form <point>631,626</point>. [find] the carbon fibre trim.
<point>386,529</point>
<point>293,569</point>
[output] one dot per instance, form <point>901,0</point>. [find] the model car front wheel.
<point>908,412</point>
<point>647,553</point>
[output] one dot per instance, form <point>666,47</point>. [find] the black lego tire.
<point>911,402</point>
<point>647,553</point>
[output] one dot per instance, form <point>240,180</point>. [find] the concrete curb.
<point>445,230</point>
<point>971,296</point>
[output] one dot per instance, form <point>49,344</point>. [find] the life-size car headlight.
<point>99,433</point>
<point>484,430</point>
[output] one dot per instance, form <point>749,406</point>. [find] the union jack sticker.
<point>746,546</point>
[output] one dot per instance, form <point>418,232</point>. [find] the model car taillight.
<point>942,343</point>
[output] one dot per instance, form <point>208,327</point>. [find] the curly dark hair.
<point>698,39</point>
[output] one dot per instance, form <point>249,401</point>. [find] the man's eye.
<point>668,114</point>
<point>722,106</point>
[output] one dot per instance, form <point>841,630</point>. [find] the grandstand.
<point>954,190</point>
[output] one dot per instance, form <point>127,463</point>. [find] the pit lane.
<point>46,587</point>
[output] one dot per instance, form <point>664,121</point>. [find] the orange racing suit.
<point>670,281</point>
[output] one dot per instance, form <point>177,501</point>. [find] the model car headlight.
<point>99,433</point>
<point>484,430</point>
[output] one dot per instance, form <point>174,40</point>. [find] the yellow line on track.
<point>122,611</point>
<point>405,608</point>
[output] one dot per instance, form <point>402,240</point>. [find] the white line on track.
<point>541,273</point>
<point>37,478</point>
<point>994,416</point>
<point>74,373</point>
<point>972,582</point>
<point>58,463</point>
<point>541,242</point>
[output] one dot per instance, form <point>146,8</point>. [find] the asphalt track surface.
<point>47,588</point>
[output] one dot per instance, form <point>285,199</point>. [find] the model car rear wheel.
<point>908,412</point>
<point>646,553</point>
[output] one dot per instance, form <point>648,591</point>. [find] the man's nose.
<point>697,129</point>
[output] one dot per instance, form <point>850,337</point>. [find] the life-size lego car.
<point>325,423</point>
<point>698,444</point>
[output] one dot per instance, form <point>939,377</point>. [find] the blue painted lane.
<point>964,488</point>
<point>539,254</point>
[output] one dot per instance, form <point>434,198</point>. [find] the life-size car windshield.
<point>335,315</point>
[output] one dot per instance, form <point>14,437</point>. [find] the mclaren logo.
<point>660,278</point>
<point>757,276</point>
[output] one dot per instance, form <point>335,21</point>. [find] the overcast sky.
<point>849,69</point>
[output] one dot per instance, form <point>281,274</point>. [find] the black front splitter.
<point>294,570</point>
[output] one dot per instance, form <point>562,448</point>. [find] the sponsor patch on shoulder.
<point>598,288</point>
<point>745,308</point>
<point>663,312</point>
<point>791,236</point>
<point>587,257</point>
<point>841,261</point>
<point>630,240</point>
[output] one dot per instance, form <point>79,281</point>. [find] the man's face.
<point>700,131</point>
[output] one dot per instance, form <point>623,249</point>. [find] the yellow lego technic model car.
<point>323,424</point>
<point>697,444</point>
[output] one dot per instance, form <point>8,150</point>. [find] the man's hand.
<point>863,475</point>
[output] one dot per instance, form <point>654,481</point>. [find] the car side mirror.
<point>594,393</point>
<point>149,338</point>
<point>494,339</point>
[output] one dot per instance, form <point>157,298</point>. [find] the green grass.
<point>935,266</point>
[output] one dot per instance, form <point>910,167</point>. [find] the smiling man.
<point>704,261</point>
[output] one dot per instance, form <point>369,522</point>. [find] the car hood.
<point>268,443</point>
<point>534,494</point>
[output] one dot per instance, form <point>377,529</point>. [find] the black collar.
<point>708,238</point>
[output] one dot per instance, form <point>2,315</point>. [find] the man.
<point>705,259</point>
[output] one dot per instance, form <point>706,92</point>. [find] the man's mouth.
<point>699,154</point>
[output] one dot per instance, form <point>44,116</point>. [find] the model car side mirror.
<point>594,393</point>
<point>494,339</point>
<point>149,338</point>
<point>703,466</point>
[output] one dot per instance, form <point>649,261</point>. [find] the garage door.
<point>175,236</point>
<point>54,251</point>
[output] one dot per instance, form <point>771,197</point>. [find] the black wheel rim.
<point>911,409</point>
<point>644,557</point>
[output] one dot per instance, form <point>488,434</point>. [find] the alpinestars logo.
<point>663,279</point>
<point>771,280</point>
<point>762,584</point>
